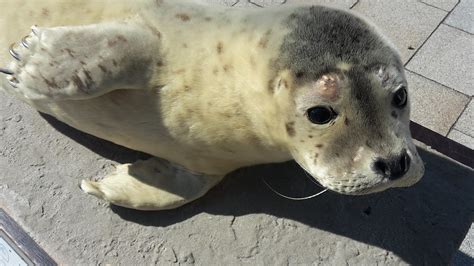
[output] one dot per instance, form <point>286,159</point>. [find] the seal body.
<point>212,89</point>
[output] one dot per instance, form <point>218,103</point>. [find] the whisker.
<point>292,198</point>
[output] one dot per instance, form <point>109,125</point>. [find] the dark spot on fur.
<point>263,42</point>
<point>119,38</point>
<point>299,74</point>
<point>103,68</point>
<point>45,12</point>
<point>319,145</point>
<point>220,48</point>
<point>337,155</point>
<point>265,39</point>
<point>207,19</point>
<point>122,38</point>
<point>316,155</point>
<point>51,83</point>
<point>79,84</point>
<point>367,143</point>
<point>88,75</point>
<point>310,136</point>
<point>394,114</point>
<point>227,67</point>
<point>82,63</point>
<point>51,64</point>
<point>160,63</point>
<point>290,128</point>
<point>187,88</point>
<point>183,17</point>
<point>155,32</point>
<point>302,141</point>
<point>70,52</point>
<point>114,62</point>
<point>89,81</point>
<point>346,121</point>
<point>185,45</point>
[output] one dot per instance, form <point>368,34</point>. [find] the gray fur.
<point>321,37</point>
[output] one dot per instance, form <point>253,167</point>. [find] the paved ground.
<point>241,222</point>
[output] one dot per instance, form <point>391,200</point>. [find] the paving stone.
<point>246,3</point>
<point>433,105</point>
<point>337,3</point>
<point>406,23</point>
<point>447,5</point>
<point>462,138</point>
<point>221,2</point>
<point>465,123</point>
<point>447,58</point>
<point>462,16</point>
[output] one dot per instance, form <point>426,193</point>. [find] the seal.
<point>207,90</point>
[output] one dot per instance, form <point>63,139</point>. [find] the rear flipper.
<point>154,184</point>
<point>81,62</point>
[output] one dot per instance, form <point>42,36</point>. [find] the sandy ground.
<point>239,222</point>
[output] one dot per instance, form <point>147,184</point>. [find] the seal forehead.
<point>320,38</point>
<point>363,97</point>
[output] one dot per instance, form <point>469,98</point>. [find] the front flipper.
<point>154,184</point>
<point>80,62</point>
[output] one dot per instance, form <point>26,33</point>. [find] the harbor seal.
<point>207,90</point>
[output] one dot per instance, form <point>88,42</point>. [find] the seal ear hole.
<point>321,115</point>
<point>400,97</point>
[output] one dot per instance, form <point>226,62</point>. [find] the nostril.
<point>404,163</point>
<point>393,168</point>
<point>381,167</point>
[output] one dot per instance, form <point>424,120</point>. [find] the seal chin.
<point>378,185</point>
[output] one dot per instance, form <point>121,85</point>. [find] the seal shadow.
<point>423,224</point>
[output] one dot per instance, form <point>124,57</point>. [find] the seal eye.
<point>320,115</point>
<point>400,98</point>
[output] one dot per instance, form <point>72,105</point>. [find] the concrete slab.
<point>447,58</point>
<point>465,255</point>
<point>345,4</point>
<point>407,23</point>
<point>238,222</point>
<point>447,5</point>
<point>461,138</point>
<point>433,105</point>
<point>222,2</point>
<point>462,16</point>
<point>465,123</point>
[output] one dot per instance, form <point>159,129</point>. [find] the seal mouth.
<point>353,190</point>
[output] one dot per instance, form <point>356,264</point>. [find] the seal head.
<point>349,124</point>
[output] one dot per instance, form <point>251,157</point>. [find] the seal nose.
<point>393,168</point>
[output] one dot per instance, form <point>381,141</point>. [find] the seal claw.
<point>13,52</point>
<point>6,71</point>
<point>24,42</point>
<point>13,81</point>
<point>35,30</point>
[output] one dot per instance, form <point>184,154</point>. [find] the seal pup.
<point>207,90</point>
